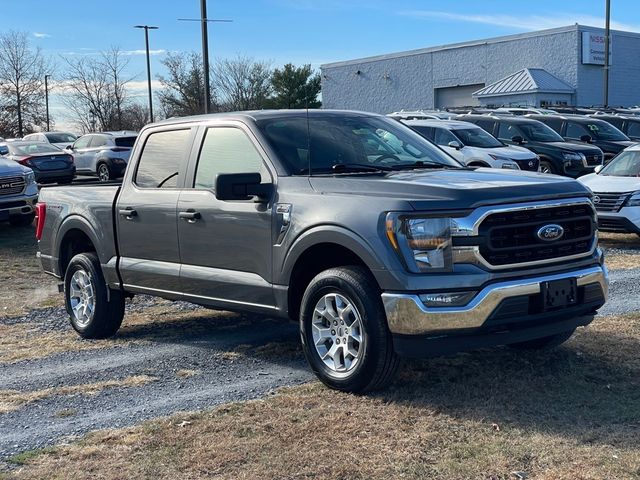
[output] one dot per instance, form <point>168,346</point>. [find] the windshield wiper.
<point>420,164</point>
<point>347,168</point>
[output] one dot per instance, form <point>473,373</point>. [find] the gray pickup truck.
<point>376,241</point>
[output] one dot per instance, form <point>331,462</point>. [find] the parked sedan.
<point>59,139</point>
<point>104,155</point>
<point>473,146</point>
<point>616,190</point>
<point>49,163</point>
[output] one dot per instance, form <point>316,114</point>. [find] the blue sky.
<point>297,31</point>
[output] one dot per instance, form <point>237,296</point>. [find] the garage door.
<point>456,96</point>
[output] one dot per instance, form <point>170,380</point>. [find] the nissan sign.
<point>593,48</point>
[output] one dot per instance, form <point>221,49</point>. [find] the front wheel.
<point>546,167</point>
<point>544,343</point>
<point>344,331</point>
<point>94,310</point>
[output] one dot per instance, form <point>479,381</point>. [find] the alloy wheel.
<point>82,297</point>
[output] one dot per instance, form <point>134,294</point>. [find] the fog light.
<point>452,299</point>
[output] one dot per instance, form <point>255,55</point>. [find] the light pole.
<point>46,97</point>
<point>205,50</point>
<point>607,42</point>
<point>146,39</point>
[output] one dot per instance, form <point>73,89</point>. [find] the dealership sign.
<point>593,48</point>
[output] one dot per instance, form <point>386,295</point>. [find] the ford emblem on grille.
<point>550,233</point>
<point>596,199</point>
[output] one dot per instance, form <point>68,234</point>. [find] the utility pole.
<point>607,43</point>
<point>205,50</point>
<point>146,39</point>
<point>46,97</point>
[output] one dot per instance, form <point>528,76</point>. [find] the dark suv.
<point>582,129</point>
<point>556,155</point>
<point>627,124</point>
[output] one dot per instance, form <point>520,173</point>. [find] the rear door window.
<point>98,141</point>
<point>226,150</point>
<point>83,142</point>
<point>160,159</point>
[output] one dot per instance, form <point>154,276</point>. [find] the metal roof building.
<point>560,66</point>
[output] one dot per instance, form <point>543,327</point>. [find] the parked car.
<point>290,214</point>
<point>524,111</point>
<point>18,193</point>
<point>104,155</point>
<point>49,163</point>
<point>556,155</point>
<point>59,139</point>
<point>616,191</point>
<point>583,129</point>
<point>627,124</point>
<point>473,146</point>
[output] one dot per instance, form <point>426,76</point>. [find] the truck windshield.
<point>476,137</point>
<point>539,132</point>
<point>605,131</point>
<point>627,164</point>
<point>340,143</point>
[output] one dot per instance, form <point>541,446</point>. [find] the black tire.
<point>547,167</point>
<point>104,172</point>
<point>108,312</point>
<point>544,343</point>
<point>377,361</point>
<point>22,220</point>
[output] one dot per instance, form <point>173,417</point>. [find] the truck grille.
<point>594,159</point>
<point>511,237</point>
<point>610,202</point>
<point>11,185</point>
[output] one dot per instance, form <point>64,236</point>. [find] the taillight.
<point>41,214</point>
<point>25,161</point>
<point>120,149</point>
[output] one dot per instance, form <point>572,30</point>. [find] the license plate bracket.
<point>559,293</point>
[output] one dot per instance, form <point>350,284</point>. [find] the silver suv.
<point>18,192</point>
<point>103,154</point>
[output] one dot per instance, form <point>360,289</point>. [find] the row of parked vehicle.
<point>593,148</point>
<point>55,157</point>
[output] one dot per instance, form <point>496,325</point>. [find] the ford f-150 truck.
<point>377,242</point>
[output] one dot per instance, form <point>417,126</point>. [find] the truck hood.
<point>453,188</point>
<point>514,152</point>
<point>610,184</point>
<point>574,147</point>
<point>9,167</point>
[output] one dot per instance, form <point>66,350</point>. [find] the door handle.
<point>190,216</point>
<point>128,213</point>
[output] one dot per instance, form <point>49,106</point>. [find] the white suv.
<point>616,192</point>
<point>473,146</point>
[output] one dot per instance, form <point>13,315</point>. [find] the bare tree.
<point>22,71</point>
<point>242,83</point>
<point>96,90</point>
<point>182,90</point>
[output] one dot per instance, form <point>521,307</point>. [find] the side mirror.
<point>455,144</point>
<point>517,139</point>
<point>241,186</point>
<point>585,138</point>
<point>598,169</point>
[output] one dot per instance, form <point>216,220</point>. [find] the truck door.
<point>225,246</point>
<point>146,213</point>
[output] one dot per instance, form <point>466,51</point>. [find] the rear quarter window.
<point>125,141</point>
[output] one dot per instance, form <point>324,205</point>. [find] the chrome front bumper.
<point>407,314</point>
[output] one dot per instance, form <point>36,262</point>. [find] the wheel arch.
<point>76,235</point>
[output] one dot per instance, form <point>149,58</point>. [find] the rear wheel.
<point>94,310</point>
<point>546,167</point>
<point>344,331</point>
<point>104,173</point>
<point>544,343</point>
<point>21,220</point>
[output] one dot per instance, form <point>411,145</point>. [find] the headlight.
<point>423,244</point>
<point>634,201</point>
<point>573,156</point>
<point>30,178</point>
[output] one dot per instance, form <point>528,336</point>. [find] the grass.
<point>572,413</point>
<point>11,400</point>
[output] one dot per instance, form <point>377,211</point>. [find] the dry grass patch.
<point>573,413</point>
<point>622,261</point>
<point>619,240</point>
<point>11,400</point>
<point>187,373</point>
<point>23,285</point>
